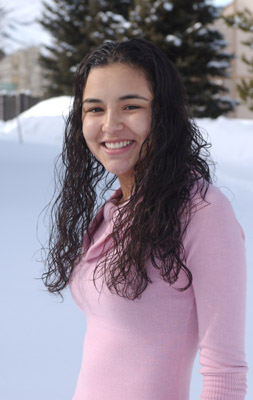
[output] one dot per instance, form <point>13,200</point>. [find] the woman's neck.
<point>126,188</point>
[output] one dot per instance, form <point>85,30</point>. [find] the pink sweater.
<point>145,349</point>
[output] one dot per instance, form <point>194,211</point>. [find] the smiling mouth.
<point>117,145</point>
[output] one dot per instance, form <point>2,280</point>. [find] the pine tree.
<point>243,20</point>
<point>3,13</point>
<point>77,27</point>
<point>182,29</point>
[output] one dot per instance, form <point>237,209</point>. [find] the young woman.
<point>159,268</point>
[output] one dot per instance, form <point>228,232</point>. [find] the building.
<point>239,70</point>
<point>21,71</point>
<point>21,82</point>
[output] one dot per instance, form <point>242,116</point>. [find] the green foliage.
<point>3,13</point>
<point>243,20</point>
<point>181,29</point>
<point>76,27</point>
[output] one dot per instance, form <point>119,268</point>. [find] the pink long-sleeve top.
<point>145,349</point>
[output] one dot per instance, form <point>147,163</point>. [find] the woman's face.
<point>116,116</point>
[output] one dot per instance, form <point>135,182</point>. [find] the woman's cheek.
<point>142,126</point>
<point>88,131</point>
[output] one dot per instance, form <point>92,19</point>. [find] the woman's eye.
<point>95,110</point>
<point>132,107</point>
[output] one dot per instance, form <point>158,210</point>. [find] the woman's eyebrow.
<point>133,96</point>
<point>92,101</point>
<point>125,97</point>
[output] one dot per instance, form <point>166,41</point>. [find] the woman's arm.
<point>215,254</point>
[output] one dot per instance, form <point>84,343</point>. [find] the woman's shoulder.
<point>215,196</point>
<point>208,198</point>
<point>212,212</point>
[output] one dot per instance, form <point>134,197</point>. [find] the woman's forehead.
<point>117,78</point>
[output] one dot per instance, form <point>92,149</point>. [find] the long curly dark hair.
<point>149,226</point>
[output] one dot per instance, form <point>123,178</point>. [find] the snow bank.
<point>54,107</point>
<point>42,123</point>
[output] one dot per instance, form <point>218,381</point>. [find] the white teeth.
<point>117,145</point>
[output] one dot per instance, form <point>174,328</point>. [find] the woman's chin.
<point>122,174</point>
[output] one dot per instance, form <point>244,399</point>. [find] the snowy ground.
<point>41,338</point>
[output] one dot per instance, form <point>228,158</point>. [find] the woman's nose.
<point>112,122</point>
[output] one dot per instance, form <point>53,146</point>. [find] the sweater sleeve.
<point>215,254</point>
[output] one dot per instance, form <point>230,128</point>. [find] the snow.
<point>47,116</point>
<point>218,44</point>
<point>103,16</point>
<point>173,39</point>
<point>53,107</point>
<point>218,64</point>
<point>168,6</point>
<point>221,3</point>
<point>119,20</point>
<point>40,337</point>
<point>193,28</point>
<point>202,31</point>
